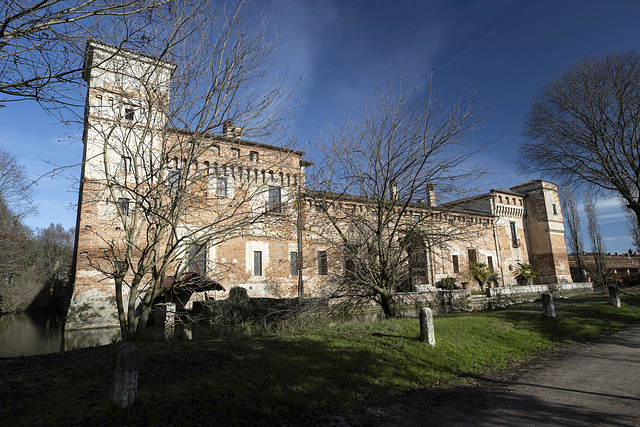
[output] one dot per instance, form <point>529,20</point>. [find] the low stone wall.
<point>563,289</point>
<point>442,301</point>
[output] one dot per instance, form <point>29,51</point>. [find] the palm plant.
<point>480,272</point>
<point>524,273</point>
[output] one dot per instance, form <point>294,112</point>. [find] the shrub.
<point>448,283</point>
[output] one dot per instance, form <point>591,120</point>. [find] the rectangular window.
<point>221,189</point>
<point>490,262</point>
<point>473,257</point>
<point>555,210</point>
<point>416,218</point>
<point>514,235</point>
<point>294,263</point>
<point>456,264</point>
<point>173,180</point>
<point>323,266</point>
<point>125,164</point>
<point>123,204</point>
<point>257,263</point>
<point>198,259</point>
<point>275,200</point>
<point>129,113</point>
<point>253,156</point>
<point>235,153</point>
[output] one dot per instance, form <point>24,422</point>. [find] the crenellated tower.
<point>545,231</point>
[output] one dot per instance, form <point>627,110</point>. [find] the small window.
<point>323,266</point>
<point>253,156</point>
<point>221,189</point>
<point>173,179</point>
<point>318,208</point>
<point>514,235</point>
<point>125,164</point>
<point>294,263</point>
<point>123,205</point>
<point>275,199</point>
<point>473,257</point>
<point>490,262</point>
<point>416,218</point>
<point>456,264</point>
<point>235,153</point>
<point>129,114</point>
<point>198,259</point>
<point>555,210</point>
<point>257,263</point>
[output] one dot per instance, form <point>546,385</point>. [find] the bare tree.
<point>160,149</point>
<point>15,191</point>
<point>574,235</point>
<point>41,42</point>
<point>583,126</point>
<point>599,270</point>
<point>375,188</point>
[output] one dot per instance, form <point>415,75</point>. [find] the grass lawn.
<point>275,380</point>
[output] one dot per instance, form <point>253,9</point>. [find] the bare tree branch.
<point>584,127</point>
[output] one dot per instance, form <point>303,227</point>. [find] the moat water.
<point>41,332</point>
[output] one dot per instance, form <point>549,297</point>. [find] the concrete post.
<point>614,296</point>
<point>547,305</point>
<point>166,316</point>
<point>426,327</point>
<point>125,378</point>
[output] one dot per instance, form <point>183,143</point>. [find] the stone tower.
<point>125,113</point>
<point>545,231</point>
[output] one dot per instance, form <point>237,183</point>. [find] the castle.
<point>251,221</point>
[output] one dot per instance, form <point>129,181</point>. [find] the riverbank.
<point>285,379</point>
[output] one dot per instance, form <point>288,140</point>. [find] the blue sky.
<point>338,52</point>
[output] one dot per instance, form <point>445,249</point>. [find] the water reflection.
<point>41,332</point>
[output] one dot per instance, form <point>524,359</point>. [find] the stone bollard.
<point>125,378</point>
<point>547,305</point>
<point>614,296</point>
<point>166,315</point>
<point>426,327</point>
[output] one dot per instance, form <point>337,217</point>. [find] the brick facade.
<point>501,227</point>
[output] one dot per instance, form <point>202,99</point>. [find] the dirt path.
<point>588,384</point>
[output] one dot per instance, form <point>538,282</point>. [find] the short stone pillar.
<point>547,305</point>
<point>426,327</point>
<point>614,296</point>
<point>125,378</point>
<point>165,314</point>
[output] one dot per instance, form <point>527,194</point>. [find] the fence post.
<point>614,296</point>
<point>426,327</point>
<point>547,305</point>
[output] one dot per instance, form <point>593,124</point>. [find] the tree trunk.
<point>388,305</point>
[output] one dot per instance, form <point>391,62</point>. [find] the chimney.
<point>431,195</point>
<point>227,128</point>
